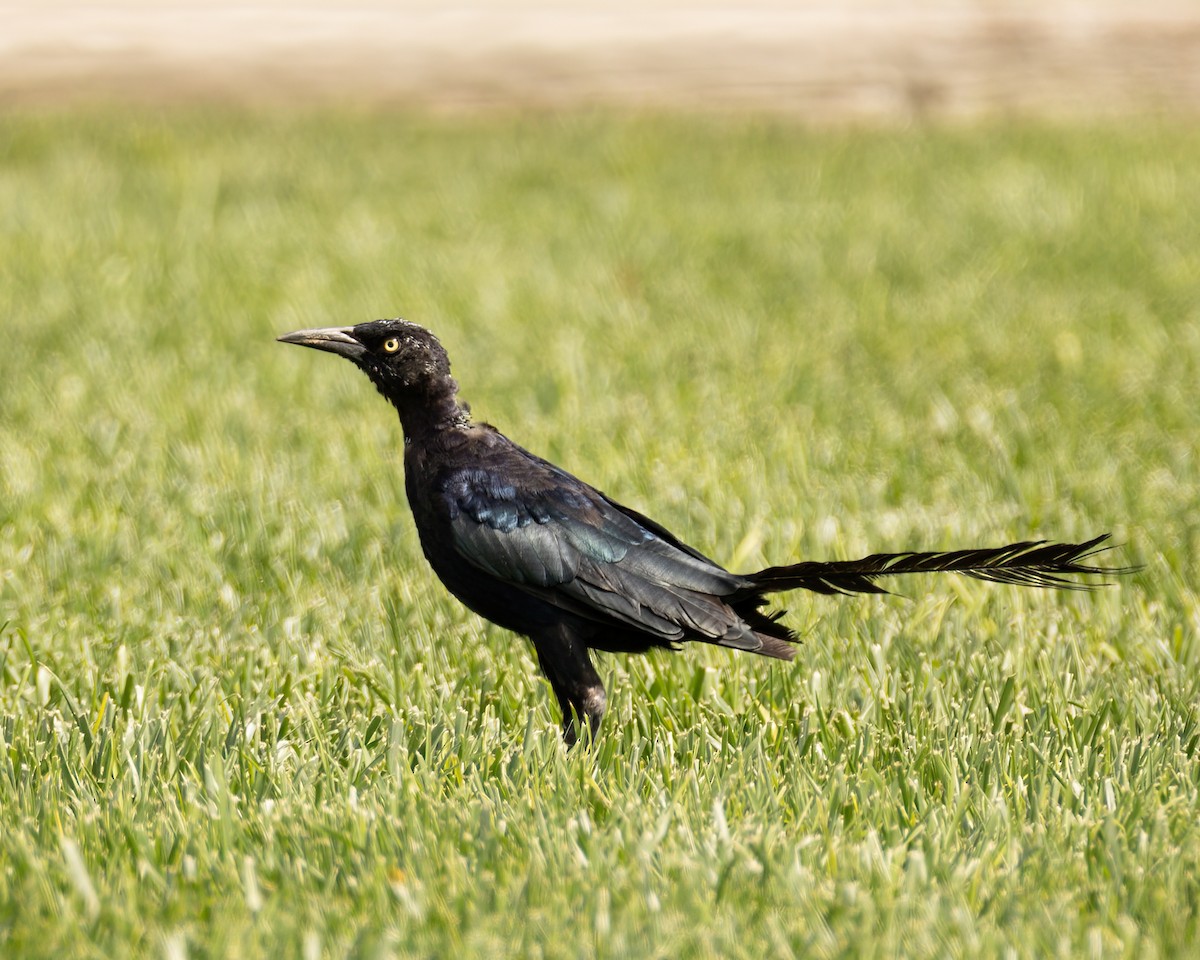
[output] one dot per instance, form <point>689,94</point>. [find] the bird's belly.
<point>493,599</point>
<point>499,602</point>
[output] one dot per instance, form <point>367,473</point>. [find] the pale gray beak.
<point>339,340</point>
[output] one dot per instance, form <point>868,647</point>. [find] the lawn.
<point>239,717</point>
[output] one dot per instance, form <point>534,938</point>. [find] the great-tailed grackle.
<point>538,551</point>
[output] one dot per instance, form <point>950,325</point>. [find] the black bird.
<point>527,545</point>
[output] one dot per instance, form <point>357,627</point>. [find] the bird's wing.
<point>553,536</point>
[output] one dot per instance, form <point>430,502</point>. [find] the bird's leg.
<point>564,660</point>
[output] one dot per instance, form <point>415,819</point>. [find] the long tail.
<point>1035,563</point>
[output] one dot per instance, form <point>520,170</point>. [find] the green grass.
<point>238,716</point>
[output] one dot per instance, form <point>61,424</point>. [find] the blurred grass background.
<point>239,716</point>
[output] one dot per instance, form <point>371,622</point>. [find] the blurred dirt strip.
<point>822,60</point>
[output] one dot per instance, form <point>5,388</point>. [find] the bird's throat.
<point>422,416</point>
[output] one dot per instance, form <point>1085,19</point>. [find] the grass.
<point>238,718</point>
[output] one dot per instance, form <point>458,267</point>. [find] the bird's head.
<point>406,362</point>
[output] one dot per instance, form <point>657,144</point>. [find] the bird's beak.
<point>339,340</point>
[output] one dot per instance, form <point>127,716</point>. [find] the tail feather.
<point>1036,563</point>
<point>775,638</point>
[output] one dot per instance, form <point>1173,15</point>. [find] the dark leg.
<point>564,660</point>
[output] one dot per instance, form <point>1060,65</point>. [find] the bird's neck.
<point>428,414</point>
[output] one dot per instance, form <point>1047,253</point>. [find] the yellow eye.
<point>391,345</point>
